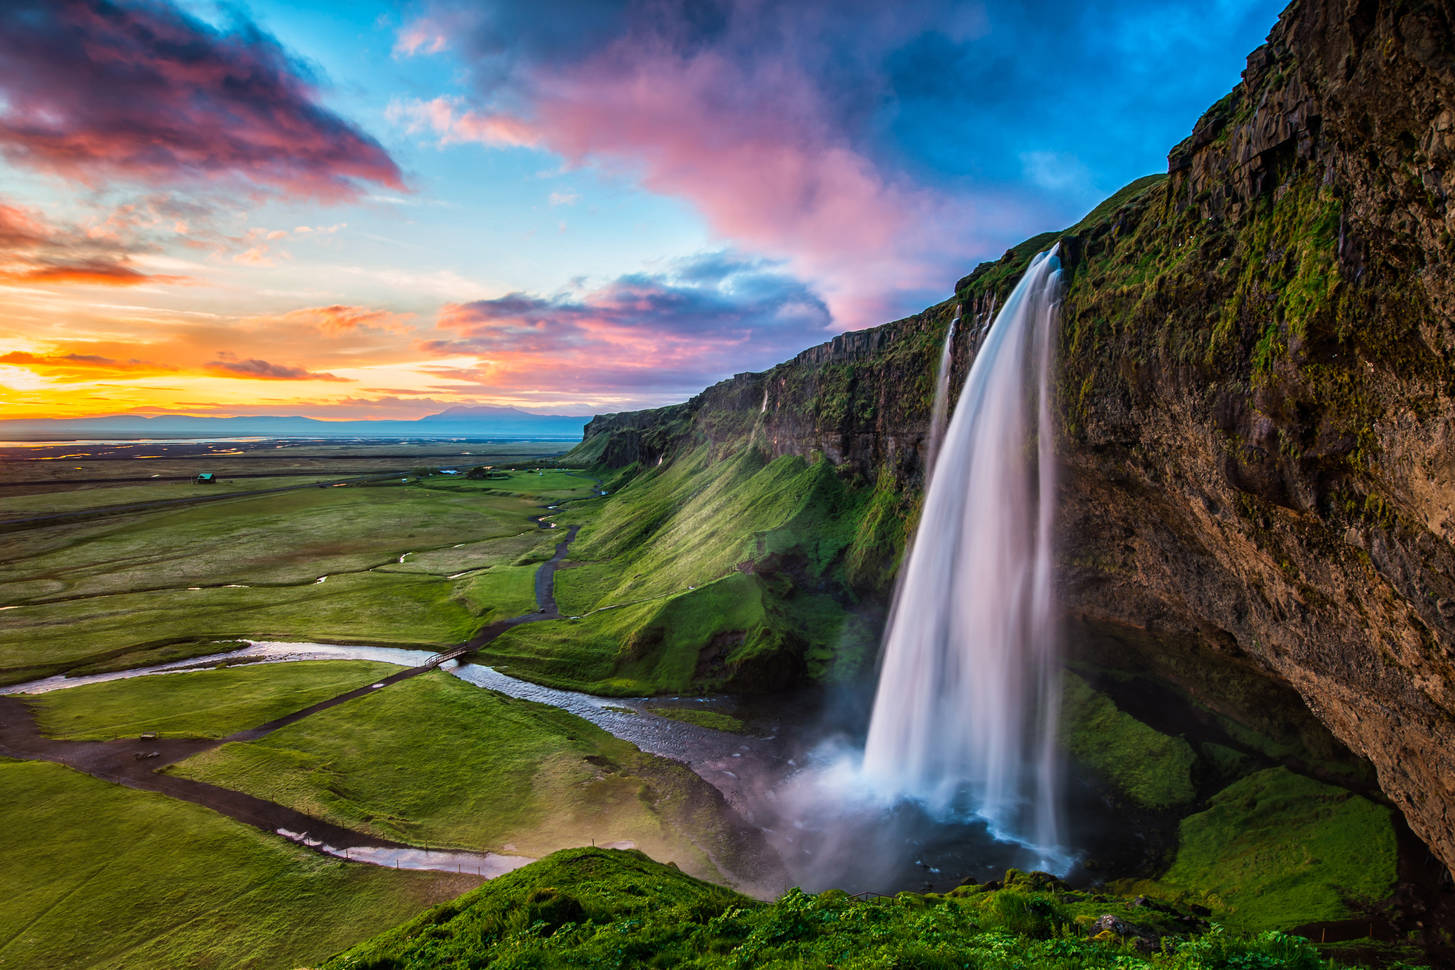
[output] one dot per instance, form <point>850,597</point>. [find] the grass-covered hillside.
<point>737,573</point>
<point>604,908</point>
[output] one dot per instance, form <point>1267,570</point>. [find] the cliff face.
<point>1258,365</point>
<point>861,400</point>
<point>1259,417</point>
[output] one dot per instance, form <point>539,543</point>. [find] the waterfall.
<point>942,397</point>
<point>965,715</point>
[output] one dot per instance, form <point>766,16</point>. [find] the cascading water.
<point>941,412</point>
<point>965,715</point>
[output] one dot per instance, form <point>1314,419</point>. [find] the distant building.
<point>206,478</point>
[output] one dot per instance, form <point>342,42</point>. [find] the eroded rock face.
<point>1258,390</point>
<point>1260,445</point>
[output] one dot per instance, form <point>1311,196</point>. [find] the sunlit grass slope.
<point>97,875</point>
<point>599,908</point>
<point>730,574</point>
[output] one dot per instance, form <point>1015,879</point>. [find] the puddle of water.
<point>319,580</point>
<point>486,864</point>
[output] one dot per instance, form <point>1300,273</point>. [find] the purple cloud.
<point>95,90</point>
<point>262,370</point>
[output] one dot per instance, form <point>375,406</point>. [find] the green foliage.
<point>599,908</point>
<point>1144,765</point>
<point>98,875</point>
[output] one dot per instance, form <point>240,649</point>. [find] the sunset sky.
<point>357,209</point>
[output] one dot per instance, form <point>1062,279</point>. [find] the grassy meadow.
<point>440,762</point>
<point>96,875</point>
<point>198,704</point>
<point>741,574</point>
<point>424,563</point>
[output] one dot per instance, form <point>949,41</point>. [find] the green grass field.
<point>280,539</point>
<point>548,485</point>
<point>198,704</point>
<point>139,628</point>
<point>437,761</point>
<point>95,496</point>
<point>120,590</point>
<point>96,875</point>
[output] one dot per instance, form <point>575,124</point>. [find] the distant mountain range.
<point>457,422</point>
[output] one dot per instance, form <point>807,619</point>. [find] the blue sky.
<point>561,205</point>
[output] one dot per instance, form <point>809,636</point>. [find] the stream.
<point>785,775</point>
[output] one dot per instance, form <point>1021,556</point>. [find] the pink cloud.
<point>33,251</point>
<point>739,113</point>
<point>225,366</point>
<point>454,125</point>
<point>704,318</point>
<point>95,91</point>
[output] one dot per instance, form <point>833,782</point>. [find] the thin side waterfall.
<point>941,412</point>
<point>965,715</point>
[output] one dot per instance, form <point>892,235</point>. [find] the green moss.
<point>714,720</point>
<point>1277,849</point>
<point>1144,765</point>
